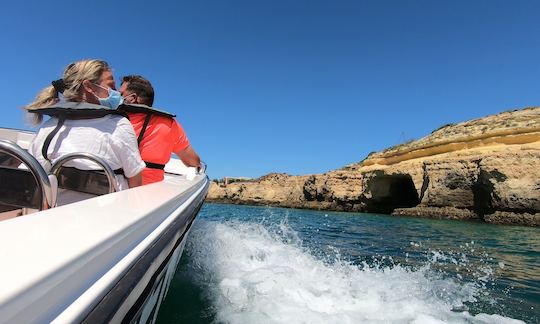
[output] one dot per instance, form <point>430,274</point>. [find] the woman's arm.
<point>135,181</point>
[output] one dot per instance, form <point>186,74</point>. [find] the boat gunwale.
<point>106,309</point>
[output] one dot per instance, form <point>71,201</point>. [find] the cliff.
<point>482,169</point>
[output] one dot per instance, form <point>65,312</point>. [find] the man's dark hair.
<point>141,87</point>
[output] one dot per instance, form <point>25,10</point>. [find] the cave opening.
<point>391,191</point>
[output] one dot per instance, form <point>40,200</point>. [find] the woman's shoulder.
<point>121,121</point>
<point>122,126</point>
<point>51,122</point>
<point>107,124</point>
<point>115,120</point>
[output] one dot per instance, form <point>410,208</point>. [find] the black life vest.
<point>149,111</point>
<point>73,110</point>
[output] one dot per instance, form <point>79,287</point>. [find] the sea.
<point>247,264</point>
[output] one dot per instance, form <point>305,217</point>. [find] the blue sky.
<point>288,86</point>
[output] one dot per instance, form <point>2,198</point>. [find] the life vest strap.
<point>50,136</point>
<point>143,129</point>
<point>154,165</point>
<point>136,108</point>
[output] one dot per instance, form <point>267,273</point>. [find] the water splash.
<point>262,273</point>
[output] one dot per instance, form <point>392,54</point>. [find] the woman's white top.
<point>110,137</point>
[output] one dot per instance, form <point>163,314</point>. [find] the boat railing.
<point>19,176</point>
<point>109,173</point>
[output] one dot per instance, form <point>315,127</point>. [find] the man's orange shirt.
<point>163,136</point>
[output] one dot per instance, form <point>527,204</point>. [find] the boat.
<point>108,258</point>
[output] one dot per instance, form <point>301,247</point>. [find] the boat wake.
<point>256,274</point>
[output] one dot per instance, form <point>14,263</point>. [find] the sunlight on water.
<point>261,274</point>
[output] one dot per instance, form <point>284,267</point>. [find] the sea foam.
<point>256,275</point>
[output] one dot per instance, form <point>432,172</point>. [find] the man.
<point>159,134</point>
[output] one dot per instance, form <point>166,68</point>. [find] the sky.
<point>299,87</point>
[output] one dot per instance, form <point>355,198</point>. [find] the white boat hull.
<point>106,259</point>
<point>137,295</point>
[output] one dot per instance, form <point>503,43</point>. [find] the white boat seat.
<point>24,183</point>
<point>93,182</point>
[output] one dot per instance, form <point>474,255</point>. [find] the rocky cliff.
<point>484,169</point>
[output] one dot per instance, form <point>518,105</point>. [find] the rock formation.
<point>484,169</point>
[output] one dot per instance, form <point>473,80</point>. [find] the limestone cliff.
<point>485,169</point>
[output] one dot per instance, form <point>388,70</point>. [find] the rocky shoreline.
<point>484,169</point>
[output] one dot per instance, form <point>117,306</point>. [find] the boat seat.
<point>87,181</point>
<point>18,189</point>
<point>24,185</point>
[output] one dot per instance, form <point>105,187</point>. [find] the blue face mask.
<point>113,100</point>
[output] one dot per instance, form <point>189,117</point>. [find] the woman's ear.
<point>87,86</point>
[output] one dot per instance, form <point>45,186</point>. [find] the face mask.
<point>113,100</point>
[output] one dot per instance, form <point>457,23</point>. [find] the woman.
<point>109,136</point>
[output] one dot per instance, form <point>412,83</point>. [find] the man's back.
<point>162,137</point>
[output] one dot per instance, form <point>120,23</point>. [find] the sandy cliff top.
<point>511,127</point>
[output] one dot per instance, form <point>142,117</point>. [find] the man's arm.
<point>135,181</point>
<point>189,157</point>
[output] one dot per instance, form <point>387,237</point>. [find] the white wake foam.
<point>255,276</point>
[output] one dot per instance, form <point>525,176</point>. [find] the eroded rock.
<point>480,169</point>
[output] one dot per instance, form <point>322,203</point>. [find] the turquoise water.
<point>245,264</point>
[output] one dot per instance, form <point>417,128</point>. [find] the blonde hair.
<point>73,77</point>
